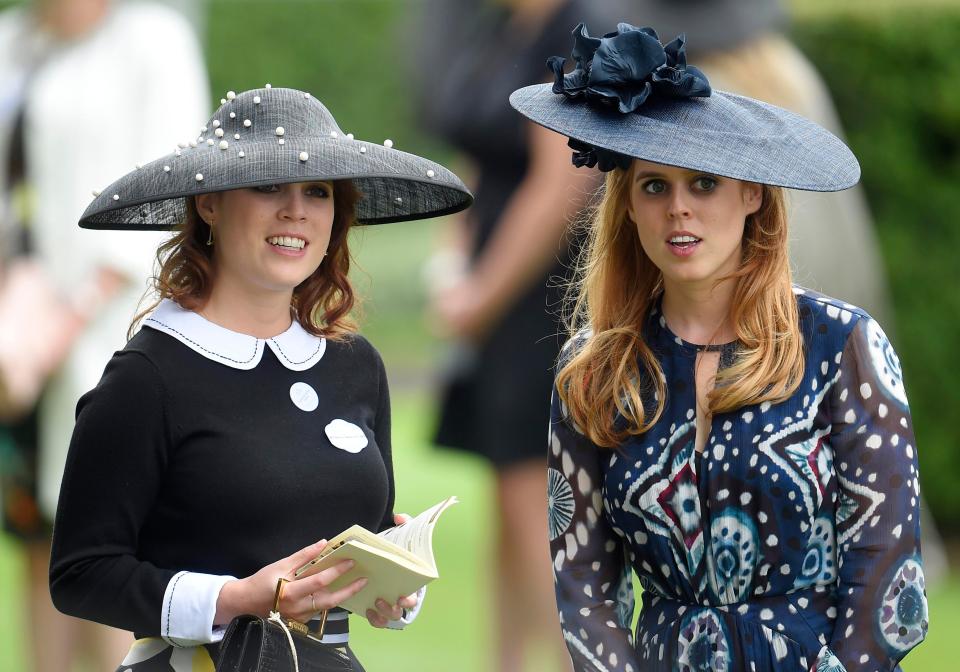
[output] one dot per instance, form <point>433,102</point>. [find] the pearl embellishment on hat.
<point>399,200</point>
<point>138,166</point>
<point>231,95</point>
<point>256,100</point>
<point>304,156</point>
<point>198,177</point>
<point>210,141</point>
<point>388,143</point>
<point>333,134</point>
<point>95,193</point>
<point>116,197</point>
<point>247,123</point>
<point>279,131</point>
<point>193,143</point>
<point>177,153</point>
<point>203,129</point>
<point>241,154</point>
<point>166,169</point>
<point>306,95</point>
<point>363,150</point>
<point>281,141</point>
<point>216,123</point>
<point>218,132</point>
<point>267,86</point>
<point>236,136</point>
<point>430,173</point>
<point>233,115</point>
<point>349,136</point>
<point>223,101</point>
<point>224,144</point>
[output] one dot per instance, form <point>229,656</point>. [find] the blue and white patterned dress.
<point>790,543</point>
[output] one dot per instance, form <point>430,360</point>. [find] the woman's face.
<point>690,223</point>
<point>272,237</point>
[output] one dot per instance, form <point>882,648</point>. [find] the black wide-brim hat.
<point>631,97</point>
<point>276,136</point>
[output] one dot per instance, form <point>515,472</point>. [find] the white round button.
<point>304,397</point>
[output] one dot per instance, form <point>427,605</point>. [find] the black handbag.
<point>275,644</point>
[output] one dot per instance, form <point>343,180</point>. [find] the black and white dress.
<point>203,455</point>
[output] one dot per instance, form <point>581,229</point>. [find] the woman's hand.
<point>302,598</point>
<point>386,612</point>
<point>391,612</point>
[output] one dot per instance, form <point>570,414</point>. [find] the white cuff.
<point>409,614</point>
<point>189,607</point>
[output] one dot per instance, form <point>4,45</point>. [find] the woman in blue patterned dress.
<point>742,445</point>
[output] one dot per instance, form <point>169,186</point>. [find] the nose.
<point>293,208</point>
<point>678,208</point>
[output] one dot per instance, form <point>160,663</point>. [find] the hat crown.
<point>259,114</point>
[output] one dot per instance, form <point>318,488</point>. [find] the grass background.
<point>891,66</point>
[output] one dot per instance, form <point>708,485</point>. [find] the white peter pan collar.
<point>296,348</point>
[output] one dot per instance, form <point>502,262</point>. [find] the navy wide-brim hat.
<point>276,136</point>
<point>631,97</point>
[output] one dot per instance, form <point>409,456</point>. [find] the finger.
<point>328,600</point>
<point>376,620</point>
<point>330,574</point>
<point>408,601</point>
<point>304,555</point>
<point>391,612</point>
<point>401,518</point>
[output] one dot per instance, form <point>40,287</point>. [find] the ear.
<point>207,206</point>
<point>752,196</point>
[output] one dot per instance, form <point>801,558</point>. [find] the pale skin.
<point>669,206</point>
<point>252,288</point>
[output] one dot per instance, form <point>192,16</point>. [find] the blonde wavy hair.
<point>604,378</point>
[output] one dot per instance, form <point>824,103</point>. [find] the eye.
<point>655,186</point>
<point>705,183</point>
<point>320,191</point>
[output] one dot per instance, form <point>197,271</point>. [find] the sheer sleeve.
<point>882,608</point>
<point>592,577</point>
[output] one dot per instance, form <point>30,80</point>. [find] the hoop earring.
<point>210,236</point>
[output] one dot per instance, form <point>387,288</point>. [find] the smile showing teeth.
<point>287,241</point>
<point>683,240</point>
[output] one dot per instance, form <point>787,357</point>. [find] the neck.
<point>700,312</point>
<point>263,313</point>
<point>70,19</point>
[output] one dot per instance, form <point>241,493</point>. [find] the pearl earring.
<point>210,236</point>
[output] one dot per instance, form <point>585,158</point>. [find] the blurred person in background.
<point>741,46</point>
<point>495,300</point>
<point>87,89</point>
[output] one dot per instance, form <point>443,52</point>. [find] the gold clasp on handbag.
<point>297,625</point>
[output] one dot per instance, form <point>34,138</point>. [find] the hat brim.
<point>723,134</point>
<point>394,185</point>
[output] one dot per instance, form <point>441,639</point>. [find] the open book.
<point>397,562</point>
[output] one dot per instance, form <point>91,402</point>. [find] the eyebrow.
<point>642,175</point>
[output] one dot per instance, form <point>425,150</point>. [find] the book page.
<point>416,535</point>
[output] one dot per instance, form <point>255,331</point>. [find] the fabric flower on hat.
<point>623,69</point>
<point>603,159</point>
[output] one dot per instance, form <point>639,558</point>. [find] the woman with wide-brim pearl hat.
<point>763,478</point>
<point>246,421</point>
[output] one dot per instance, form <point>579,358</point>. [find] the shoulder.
<point>822,316</point>
<point>574,346</point>
<point>354,352</point>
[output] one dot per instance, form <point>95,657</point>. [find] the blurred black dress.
<point>496,401</point>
